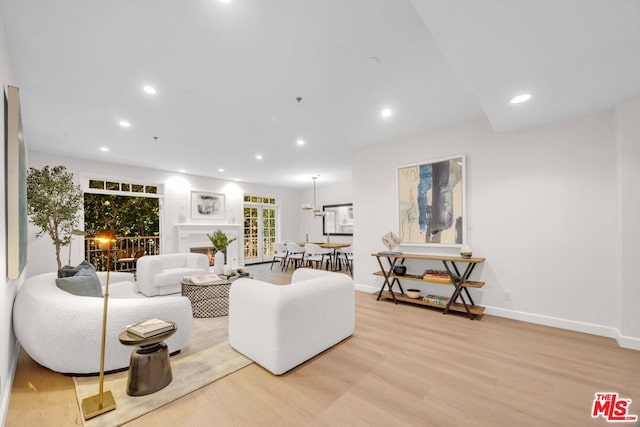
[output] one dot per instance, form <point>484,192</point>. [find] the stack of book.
<point>206,279</point>
<point>150,328</point>
<point>441,276</point>
<point>436,299</point>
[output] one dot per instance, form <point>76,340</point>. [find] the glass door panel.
<point>251,235</point>
<point>260,230</point>
<point>268,233</point>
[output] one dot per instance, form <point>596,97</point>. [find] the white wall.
<point>628,138</point>
<point>176,202</point>
<point>543,208</point>
<point>327,194</point>
<point>8,343</point>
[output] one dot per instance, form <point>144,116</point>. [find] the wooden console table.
<point>460,282</point>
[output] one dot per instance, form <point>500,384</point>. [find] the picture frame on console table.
<point>205,205</point>
<point>432,205</point>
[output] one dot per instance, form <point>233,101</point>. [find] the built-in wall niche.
<point>337,219</point>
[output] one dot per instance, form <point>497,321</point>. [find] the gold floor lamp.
<point>102,402</point>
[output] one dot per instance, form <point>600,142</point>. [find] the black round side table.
<point>149,365</point>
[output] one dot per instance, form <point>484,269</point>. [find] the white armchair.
<point>161,274</point>
<point>281,326</point>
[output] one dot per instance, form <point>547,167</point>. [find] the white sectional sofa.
<point>63,332</point>
<point>281,326</point>
<point>161,274</point>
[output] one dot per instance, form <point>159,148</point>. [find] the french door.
<point>260,229</point>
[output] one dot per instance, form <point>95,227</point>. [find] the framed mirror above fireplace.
<point>338,219</point>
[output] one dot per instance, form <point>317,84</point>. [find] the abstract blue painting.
<point>431,199</point>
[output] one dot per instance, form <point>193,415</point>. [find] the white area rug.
<point>206,358</point>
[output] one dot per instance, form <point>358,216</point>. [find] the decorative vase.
<point>400,270</point>
<point>218,266</point>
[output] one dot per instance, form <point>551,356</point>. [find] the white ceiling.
<point>227,75</point>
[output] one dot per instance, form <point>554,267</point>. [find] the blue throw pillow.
<point>85,283</point>
<point>69,270</point>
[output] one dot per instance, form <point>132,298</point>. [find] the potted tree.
<point>53,203</point>
<point>220,242</point>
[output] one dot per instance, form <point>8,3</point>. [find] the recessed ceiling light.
<point>259,156</point>
<point>300,142</point>
<point>521,98</point>
<point>124,123</point>
<point>105,149</point>
<point>385,113</point>
<point>149,89</point>
<point>221,170</point>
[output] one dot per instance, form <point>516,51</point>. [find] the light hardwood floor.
<point>405,365</point>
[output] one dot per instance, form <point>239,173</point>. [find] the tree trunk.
<point>58,256</point>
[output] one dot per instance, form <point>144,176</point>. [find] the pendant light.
<point>308,207</point>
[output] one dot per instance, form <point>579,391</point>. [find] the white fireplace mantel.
<point>192,235</point>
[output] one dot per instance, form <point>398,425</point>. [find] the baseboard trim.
<point>572,325</point>
<point>365,288</point>
<point>628,342</point>
<point>8,385</point>
<point>632,343</point>
<point>556,322</point>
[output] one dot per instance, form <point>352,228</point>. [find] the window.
<point>131,210</point>
<point>96,184</point>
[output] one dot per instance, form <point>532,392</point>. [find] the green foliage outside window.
<point>114,186</point>
<point>259,199</point>
<point>125,215</point>
<point>96,184</point>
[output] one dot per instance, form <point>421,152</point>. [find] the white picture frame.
<point>206,205</point>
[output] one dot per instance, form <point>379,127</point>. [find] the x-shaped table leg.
<point>387,276</point>
<point>459,284</point>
